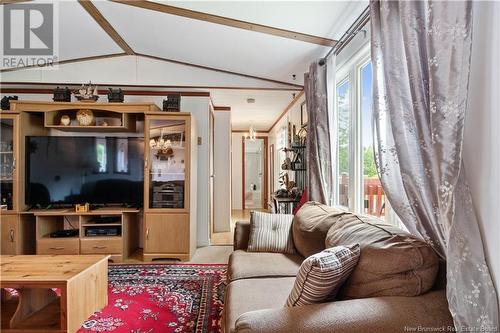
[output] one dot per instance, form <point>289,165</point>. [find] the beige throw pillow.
<point>322,274</point>
<point>271,233</point>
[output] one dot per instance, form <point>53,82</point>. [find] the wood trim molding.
<point>106,26</point>
<point>289,106</point>
<point>105,92</point>
<point>172,10</point>
<point>69,61</point>
<point>246,131</point>
<point>150,86</point>
<point>222,108</point>
<point>217,70</point>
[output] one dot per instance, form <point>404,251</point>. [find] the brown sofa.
<point>259,284</point>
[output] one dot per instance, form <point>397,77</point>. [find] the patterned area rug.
<point>161,298</point>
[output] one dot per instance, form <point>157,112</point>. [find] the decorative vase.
<point>85,117</point>
<point>65,120</point>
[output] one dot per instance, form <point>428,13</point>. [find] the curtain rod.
<point>346,38</point>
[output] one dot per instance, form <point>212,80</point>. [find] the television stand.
<point>119,247</point>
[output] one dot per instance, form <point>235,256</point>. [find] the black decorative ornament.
<point>6,102</point>
<point>62,95</point>
<point>172,103</point>
<point>115,95</point>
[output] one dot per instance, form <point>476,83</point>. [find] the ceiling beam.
<point>218,70</point>
<point>161,59</point>
<point>62,62</point>
<point>228,22</point>
<point>289,106</point>
<point>149,86</point>
<point>46,91</point>
<point>106,26</point>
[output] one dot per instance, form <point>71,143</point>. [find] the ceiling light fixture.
<point>252,134</point>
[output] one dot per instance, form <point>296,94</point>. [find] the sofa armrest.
<point>374,315</point>
<point>241,235</point>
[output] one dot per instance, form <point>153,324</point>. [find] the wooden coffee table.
<point>82,283</point>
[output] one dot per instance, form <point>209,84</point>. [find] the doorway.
<point>254,177</point>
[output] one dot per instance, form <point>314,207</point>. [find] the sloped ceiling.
<point>190,52</point>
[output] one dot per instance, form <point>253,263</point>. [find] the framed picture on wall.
<point>303,114</point>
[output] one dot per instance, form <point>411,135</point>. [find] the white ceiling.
<point>267,107</point>
<point>200,43</point>
<point>319,18</point>
<point>78,35</point>
<point>212,45</point>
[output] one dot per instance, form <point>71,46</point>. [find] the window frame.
<point>351,70</point>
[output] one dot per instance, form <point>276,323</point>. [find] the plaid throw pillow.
<point>270,233</point>
<point>322,274</point>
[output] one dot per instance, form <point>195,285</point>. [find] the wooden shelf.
<point>101,237</point>
<point>102,224</point>
<point>89,128</point>
<point>117,121</point>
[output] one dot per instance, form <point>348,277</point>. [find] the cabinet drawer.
<point>102,245</point>
<point>58,246</point>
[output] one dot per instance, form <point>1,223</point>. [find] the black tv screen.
<point>63,170</point>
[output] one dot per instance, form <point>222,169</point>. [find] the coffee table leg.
<point>31,301</point>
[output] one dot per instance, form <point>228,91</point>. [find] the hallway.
<point>226,238</point>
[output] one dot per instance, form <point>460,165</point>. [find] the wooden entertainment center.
<point>168,213</point>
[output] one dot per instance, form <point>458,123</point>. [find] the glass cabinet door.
<point>166,163</point>
<point>7,162</point>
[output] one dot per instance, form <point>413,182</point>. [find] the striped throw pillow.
<point>322,274</point>
<point>271,233</point>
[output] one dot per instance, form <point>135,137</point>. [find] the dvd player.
<point>64,233</point>
<point>102,231</point>
<point>105,219</point>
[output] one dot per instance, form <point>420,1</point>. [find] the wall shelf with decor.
<point>90,119</point>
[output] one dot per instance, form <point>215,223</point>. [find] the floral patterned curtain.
<point>421,56</point>
<point>318,150</point>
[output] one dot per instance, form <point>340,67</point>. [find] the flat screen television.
<point>63,170</point>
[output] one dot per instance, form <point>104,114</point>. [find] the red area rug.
<point>161,298</point>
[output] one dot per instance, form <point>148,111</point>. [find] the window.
<point>356,181</point>
<point>343,140</point>
<point>373,194</point>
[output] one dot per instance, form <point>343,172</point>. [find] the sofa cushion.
<point>244,265</point>
<point>310,226</point>
<point>392,262</point>
<point>322,274</point>
<point>271,233</point>
<point>254,294</point>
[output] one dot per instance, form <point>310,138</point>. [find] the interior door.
<point>212,174</point>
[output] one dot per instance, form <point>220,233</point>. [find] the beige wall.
<point>222,171</point>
